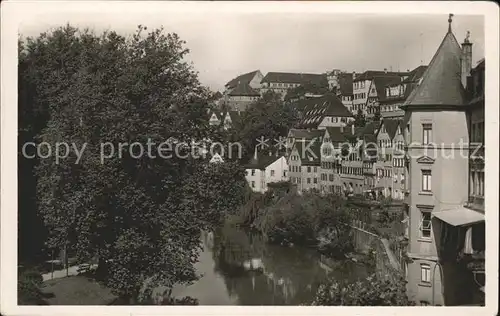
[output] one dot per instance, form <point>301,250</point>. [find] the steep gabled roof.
<point>381,82</point>
<point>309,155</point>
<point>244,89</point>
<point>288,77</point>
<point>317,109</point>
<point>262,160</point>
<point>245,78</point>
<point>391,127</point>
<point>441,83</point>
<point>337,134</point>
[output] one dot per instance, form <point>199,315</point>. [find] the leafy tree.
<point>269,118</point>
<point>319,88</point>
<point>372,291</point>
<point>129,211</point>
<point>359,119</point>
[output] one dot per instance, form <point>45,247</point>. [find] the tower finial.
<point>450,16</point>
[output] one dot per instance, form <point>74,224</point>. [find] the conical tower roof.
<point>441,83</point>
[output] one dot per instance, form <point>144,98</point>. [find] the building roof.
<point>391,126</point>
<point>243,89</point>
<point>288,77</point>
<point>262,160</point>
<point>318,108</point>
<point>370,74</point>
<point>441,82</point>
<point>309,155</point>
<point>381,82</point>
<point>305,134</point>
<point>337,134</point>
<point>345,82</point>
<point>415,74</point>
<point>244,78</point>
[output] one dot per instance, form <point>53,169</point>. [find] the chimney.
<point>353,75</point>
<point>255,153</point>
<point>352,129</point>
<point>342,129</point>
<point>466,59</point>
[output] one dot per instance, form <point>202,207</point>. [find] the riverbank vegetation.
<point>309,219</point>
<point>375,290</point>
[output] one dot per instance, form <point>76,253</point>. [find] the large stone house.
<point>282,82</point>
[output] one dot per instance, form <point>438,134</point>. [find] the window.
<point>315,169</point>
<point>253,184</point>
<point>330,177</point>
<point>425,224</point>
<point>426,181</point>
<point>425,271</point>
<point>308,169</point>
<point>308,180</point>
<point>253,172</point>
<point>315,180</point>
<point>272,173</point>
<point>284,173</point>
<point>427,133</point>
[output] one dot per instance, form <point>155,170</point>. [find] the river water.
<point>240,268</point>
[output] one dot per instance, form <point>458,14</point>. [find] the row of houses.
<point>368,92</point>
<point>412,155</point>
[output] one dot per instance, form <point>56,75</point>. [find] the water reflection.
<point>256,273</point>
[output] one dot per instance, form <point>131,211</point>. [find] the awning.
<point>460,217</point>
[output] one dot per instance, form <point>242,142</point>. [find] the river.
<point>240,268</point>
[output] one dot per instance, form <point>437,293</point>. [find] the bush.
<point>372,291</point>
<point>29,284</point>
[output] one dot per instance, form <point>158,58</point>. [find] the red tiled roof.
<point>287,77</point>
<point>245,78</point>
<point>441,83</point>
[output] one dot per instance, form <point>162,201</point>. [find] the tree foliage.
<point>269,118</point>
<point>136,213</point>
<point>359,119</point>
<point>372,291</point>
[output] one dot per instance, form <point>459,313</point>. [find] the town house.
<point>264,169</point>
<point>304,165</point>
<point>446,231</point>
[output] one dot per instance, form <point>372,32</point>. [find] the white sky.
<point>226,44</point>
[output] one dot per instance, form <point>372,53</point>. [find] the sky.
<point>225,44</point>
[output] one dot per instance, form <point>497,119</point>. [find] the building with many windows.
<point>282,82</point>
<point>396,93</point>
<point>304,165</point>
<point>368,85</point>
<point>446,231</point>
